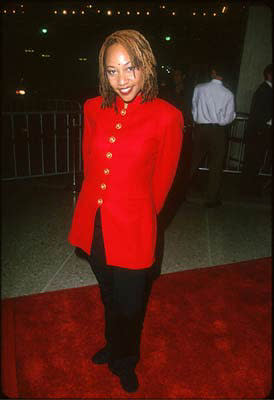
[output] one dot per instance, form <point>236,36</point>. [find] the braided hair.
<point>141,56</point>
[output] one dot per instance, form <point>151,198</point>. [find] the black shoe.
<point>129,381</point>
<point>101,357</point>
<point>211,204</point>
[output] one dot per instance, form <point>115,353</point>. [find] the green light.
<point>168,38</point>
<point>44,30</point>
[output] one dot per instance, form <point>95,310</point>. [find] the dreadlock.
<point>141,56</point>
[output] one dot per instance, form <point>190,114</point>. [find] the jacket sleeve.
<point>86,139</point>
<point>167,159</point>
<point>260,110</point>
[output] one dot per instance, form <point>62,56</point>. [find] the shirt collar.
<point>269,83</point>
<point>217,81</point>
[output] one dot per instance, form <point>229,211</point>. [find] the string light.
<point>224,10</point>
<point>45,55</point>
<point>20,91</point>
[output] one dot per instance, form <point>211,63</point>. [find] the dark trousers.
<point>256,145</point>
<point>125,294</point>
<point>210,140</point>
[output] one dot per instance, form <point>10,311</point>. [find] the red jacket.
<point>130,160</point>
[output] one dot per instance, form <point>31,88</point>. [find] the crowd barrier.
<point>44,143</point>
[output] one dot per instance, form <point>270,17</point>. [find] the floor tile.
<point>37,214</point>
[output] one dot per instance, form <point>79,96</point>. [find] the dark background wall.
<point>196,41</point>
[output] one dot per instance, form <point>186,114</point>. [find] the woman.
<point>131,146</point>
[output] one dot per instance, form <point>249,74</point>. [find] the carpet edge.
<point>8,373</point>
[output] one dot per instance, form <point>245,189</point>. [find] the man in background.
<point>258,135</point>
<point>213,108</point>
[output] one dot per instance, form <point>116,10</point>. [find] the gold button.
<point>103,186</point>
<point>109,155</point>
<point>112,139</point>
<point>123,112</point>
<point>100,201</point>
<point>106,171</point>
<point>118,126</point>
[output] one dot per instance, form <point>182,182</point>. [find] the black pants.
<point>256,145</point>
<point>211,140</point>
<point>125,294</point>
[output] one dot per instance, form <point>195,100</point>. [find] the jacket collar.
<point>131,106</point>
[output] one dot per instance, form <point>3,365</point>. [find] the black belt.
<point>219,126</point>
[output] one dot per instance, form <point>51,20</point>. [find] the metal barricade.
<point>44,143</point>
<point>41,143</point>
<point>236,149</point>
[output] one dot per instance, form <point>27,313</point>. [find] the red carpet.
<point>207,336</point>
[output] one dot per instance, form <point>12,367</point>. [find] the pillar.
<point>257,53</point>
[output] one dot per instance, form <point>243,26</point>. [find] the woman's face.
<point>125,79</point>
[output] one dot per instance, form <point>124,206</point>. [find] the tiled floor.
<point>36,216</point>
